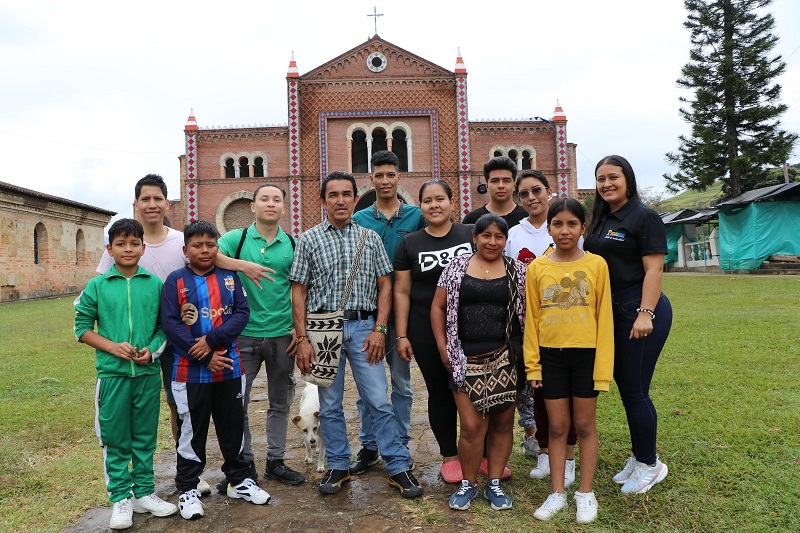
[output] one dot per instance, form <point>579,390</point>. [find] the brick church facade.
<point>375,96</point>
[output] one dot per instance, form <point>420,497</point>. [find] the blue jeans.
<point>372,386</point>
<point>402,397</point>
<point>634,364</point>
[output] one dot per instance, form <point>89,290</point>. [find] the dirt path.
<point>367,504</point>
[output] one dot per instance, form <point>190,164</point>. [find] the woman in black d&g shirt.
<point>631,238</point>
<point>418,262</point>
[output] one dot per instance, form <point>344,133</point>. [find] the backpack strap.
<point>241,243</point>
<point>292,240</point>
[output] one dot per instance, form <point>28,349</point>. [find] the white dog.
<point>308,422</point>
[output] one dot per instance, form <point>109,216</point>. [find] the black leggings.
<point>442,412</point>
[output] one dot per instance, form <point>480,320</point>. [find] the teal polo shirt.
<point>407,219</point>
<point>271,305</point>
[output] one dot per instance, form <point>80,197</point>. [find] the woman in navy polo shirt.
<point>631,238</point>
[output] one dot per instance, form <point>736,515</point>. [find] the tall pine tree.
<point>735,111</point>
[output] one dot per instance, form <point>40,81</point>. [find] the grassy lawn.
<point>726,388</point>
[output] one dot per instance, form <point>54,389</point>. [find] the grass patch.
<point>725,387</point>
<point>50,461</point>
<point>729,429</point>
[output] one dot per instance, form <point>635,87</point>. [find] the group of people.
<point>513,297</point>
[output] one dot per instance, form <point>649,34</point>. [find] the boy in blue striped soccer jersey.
<point>204,309</point>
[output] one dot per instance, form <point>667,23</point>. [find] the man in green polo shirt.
<point>268,335</point>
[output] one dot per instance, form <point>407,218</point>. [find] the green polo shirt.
<point>271,305</point>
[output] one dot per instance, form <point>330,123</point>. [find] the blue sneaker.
<point>494,493</point>
<point>461,498</point>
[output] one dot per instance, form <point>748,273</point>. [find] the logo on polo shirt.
<point>615,235</point>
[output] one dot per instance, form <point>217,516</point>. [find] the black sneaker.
<point>365,459</point>
<point>407,483</point>
<point>333,481</point>
<point>277,470</point>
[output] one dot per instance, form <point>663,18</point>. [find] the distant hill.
<point>692,199</point>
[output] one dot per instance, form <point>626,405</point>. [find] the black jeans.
<point>634,364</point>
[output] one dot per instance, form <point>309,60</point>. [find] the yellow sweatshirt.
<point>569,306</point>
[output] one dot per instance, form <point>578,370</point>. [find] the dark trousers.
<point>442,412</point>
<point>197,404</point>
<point>634,364</point>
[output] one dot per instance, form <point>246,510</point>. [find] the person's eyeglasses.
<point>536,191</point>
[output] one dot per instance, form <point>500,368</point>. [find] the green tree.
<point>735,109</point>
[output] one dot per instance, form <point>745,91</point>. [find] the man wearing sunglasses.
<point>500,173</point>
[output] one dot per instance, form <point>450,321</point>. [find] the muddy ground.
<point>367,504</point>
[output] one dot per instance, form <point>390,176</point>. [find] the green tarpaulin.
<point>750,234</point>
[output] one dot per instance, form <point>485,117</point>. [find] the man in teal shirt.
<point>268,335</point>
<point>392,220</point>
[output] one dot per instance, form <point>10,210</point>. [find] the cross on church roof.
<point>375,14</point>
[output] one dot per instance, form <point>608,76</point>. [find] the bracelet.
<point>401,337</point>
<point>648,311</point>
<point>299,339</point>
<point>380,328</point>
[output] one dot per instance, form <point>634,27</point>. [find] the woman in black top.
<point>418,262</point>
<point>631,238</point>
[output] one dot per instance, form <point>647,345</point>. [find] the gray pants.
<point>280,389</point>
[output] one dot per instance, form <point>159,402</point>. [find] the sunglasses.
<point>524,193</point>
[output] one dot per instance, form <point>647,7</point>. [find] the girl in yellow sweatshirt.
<point>569,349</point>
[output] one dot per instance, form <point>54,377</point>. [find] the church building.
<point>376,96</point>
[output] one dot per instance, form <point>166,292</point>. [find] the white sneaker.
<point>530,446</point>
<point>154,505</point>
<point>542,469</point>
<point>249,491</point>
<point>622,476</point>
<point>587,507</point>
<point>644,477</point>
<point>190,505</point>
<point>569,472</point>
<point>203,487</point>
<point>553,504</point>
<point>121,515</point>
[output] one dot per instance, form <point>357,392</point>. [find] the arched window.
<point>244,167</point>
<point>512,154</point>
<point>526,160</point>
<point>258,167</point>
<point>360,154</point>
<point>230,171</point>
<point>80,247</point>
<point>498,153</point>
<point>379,140</point>
<point>39,244</point>
<point>400,148</point>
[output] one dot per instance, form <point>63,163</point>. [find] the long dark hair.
<point>600,208</point>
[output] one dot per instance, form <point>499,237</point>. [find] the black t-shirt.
<point>426,256</point>
<point>511,218</point>
<point>623,237</point>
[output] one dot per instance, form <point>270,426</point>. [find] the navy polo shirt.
<point>623,237</point>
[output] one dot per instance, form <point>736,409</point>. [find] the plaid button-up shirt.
<point>322,263</point>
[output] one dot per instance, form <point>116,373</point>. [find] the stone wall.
<point>48,245</point>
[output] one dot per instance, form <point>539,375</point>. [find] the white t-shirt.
<point>525,243</point>
<point>160,259</point>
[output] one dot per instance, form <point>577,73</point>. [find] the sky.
<point>95,94</point>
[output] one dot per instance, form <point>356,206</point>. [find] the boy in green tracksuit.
<point>124,304</point>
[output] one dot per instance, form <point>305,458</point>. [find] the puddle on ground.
<point>366,504</point>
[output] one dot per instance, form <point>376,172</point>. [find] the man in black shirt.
<point>500,173</point>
